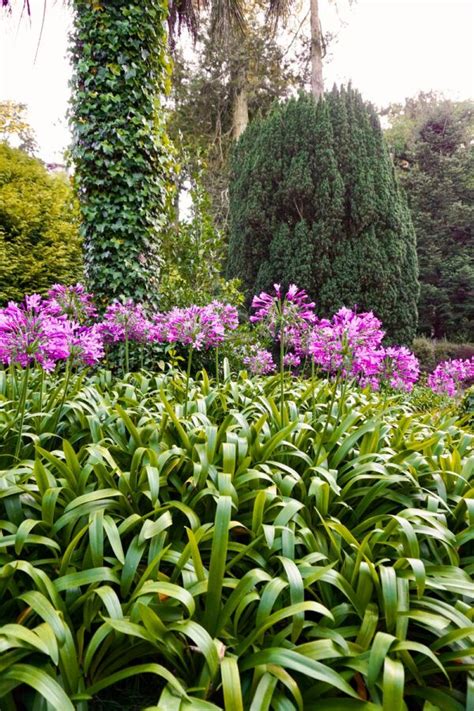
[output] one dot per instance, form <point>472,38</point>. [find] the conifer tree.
<point>314,200</point>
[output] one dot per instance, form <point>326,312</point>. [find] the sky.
<point>389,49</point>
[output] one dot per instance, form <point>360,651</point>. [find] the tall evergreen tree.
<point>432,142</point>
<point>314,199</point>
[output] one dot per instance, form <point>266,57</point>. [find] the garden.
<point>295,533</point>
<point>236,371</point>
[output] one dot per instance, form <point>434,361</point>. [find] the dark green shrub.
<point>431,352</point>
<point>423,348</point>
<point>314,201</point>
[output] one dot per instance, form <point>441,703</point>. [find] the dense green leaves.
<point>39,240</point>
<point>314,201</point>
<point>119,149</point>
<point>431,139</point>
<point>213,557</point>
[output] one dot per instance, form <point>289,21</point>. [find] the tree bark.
<point>240,111</point>
<point>317,84</point>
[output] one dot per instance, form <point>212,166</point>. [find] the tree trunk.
<point>240,107</point>
<point>317,84</point>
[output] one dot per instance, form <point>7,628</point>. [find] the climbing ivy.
<point>120,154</point>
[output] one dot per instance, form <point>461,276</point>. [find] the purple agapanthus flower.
<point>86,344</point>
<point>292,360</point>
<point>400,368</point>
<point>284,314</point>
<point>71,301</point>
<point>449,376</point>
<point>226,313</point>
<point>199,327</point>
<point>347,342</point>
<point>29,334</point>
<point>195,326</point>
<point>125,321</point>
<point>261,363</point>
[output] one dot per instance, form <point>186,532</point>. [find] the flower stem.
<point>188,374</point>
<point>282,375</point>
<point>67,376</point>
<point>217,366</point>
<point>328,417</point>
<point>127,360</point>
<point>22,408</point>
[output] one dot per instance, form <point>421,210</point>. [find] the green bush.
<point>39,240</point>
<point>314,201</point>
<point>431,352</point>
<point>241,558</point>
<point>423,399</point>
<point>466,409</point>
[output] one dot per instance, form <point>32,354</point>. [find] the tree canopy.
<point>314,200</point>
<point>432,143</point>
<point>39,240</point>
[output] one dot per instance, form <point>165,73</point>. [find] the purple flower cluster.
<point>71,301</point>
<point>60,327</point>
<point>29,335</point>
<point>287,314</point>
<point>350,344</point>
<point>198,327</point>
<point>125,321</point>
<point>347,343</point>
<point>86,344</point>
<point>450,375</point>
<point>261,363</point>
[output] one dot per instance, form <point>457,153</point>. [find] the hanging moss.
<point>120,69</point>
<point>314,200</point>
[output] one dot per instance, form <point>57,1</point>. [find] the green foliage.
<point>231,558</point>
<point>431,352</point>
<point>314,201</point>
<point>194,252</point>
<point>467,405</point>
<point>423,399</point>
<point>39,240</point>
<point>432,142</point>
<point>14,125</point>
<point>205,88</point>
<point>120,149</point>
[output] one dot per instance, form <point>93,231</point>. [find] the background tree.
<point>15,128</point>
<point>203,116</point>
<point>432,142</point>
<point>39,240</point>
<point>314,199</point>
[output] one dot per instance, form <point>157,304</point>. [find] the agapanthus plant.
<point>450,375</point>
<point>338,344</point>
<point>260,363</point>
<point>30,335</point>
<point>196,328</point>
<point>71,301</point>
<point>285,315</point>
<point>125,322</point>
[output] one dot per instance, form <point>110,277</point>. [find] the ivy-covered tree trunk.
<point>120,69</point>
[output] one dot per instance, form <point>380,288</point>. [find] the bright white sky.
<point>390,49</point>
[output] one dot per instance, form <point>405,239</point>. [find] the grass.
<point>246,556</point>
